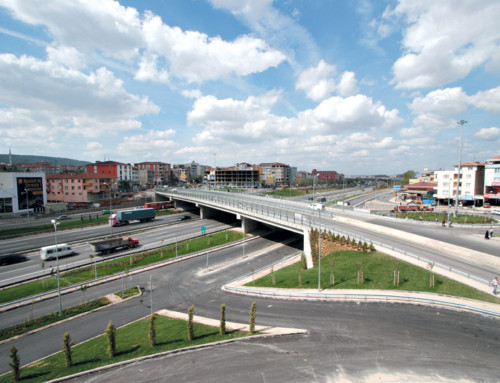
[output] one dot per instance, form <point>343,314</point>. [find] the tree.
<point>190,323</point>
<point>111,336</point>
<point>15,364</point>
<point>407,176</point>
<point>253,314</point>
<point>152,330</point>
<point>67,349</point>
<point>222,328</point>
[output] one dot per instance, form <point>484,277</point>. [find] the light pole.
<point>319,260</point>
<point>461,123</point>
<point>27,203</point>
<point>55,223</point>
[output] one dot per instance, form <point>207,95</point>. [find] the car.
<point>63,218</point>
<point>495,211</point>
<point>486,205</point>
<point>9,258</point>
<point>184,217</point>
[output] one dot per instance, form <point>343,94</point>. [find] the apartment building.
<point>83,187</point>
<point>470,189</point>
<point>22,192</point>
<point>240,176</point>
<point>492,181</point>
<point>113,169</point>
<point>275,174</point>
<point>326,175</point>
<point>161,171</point>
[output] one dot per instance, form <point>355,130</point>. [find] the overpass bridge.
<point>294,216</point>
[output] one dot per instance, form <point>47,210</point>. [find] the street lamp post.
<point>319,260</point>
<point>461,123</point>
<point>55,223</point>
<point>27,203</point>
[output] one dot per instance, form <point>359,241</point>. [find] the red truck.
<point>158,205</point>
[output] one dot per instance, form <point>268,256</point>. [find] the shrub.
<point>222,328</point>
<point>190,323</point>
<point>15,364</point>
<point>152,330</point>
<point>111,336</point>
<point>67,349</point>
<point>253,313</point>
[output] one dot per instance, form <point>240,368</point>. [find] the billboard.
<point>29,192</point>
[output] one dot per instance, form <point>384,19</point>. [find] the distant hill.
<point>19,158</point>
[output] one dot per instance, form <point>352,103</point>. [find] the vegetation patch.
<point>438,218</point>
<point>131,341</point>
<point>350,269</point>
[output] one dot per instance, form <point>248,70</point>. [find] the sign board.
<point>396,187</point>
<point>29,192</point>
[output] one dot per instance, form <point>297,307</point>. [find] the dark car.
<point>63,218</point>
<point>6,259</point>
<point>184,217</point>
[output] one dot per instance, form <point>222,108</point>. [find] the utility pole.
<point>461,123</point>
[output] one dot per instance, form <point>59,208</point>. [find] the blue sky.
<point>361,87</point>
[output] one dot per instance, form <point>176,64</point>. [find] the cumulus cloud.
<point>60,99</point>
<point>445,40</point>
<point>156,143</point>
<point>492,133</point>
<point>488,100</point>
<point>319,84</point>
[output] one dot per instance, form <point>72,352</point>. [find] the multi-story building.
<point>326,175</point>
<point>426,176</point>
<point>470,188</point>
<point>181,173</point>
<point>83,187</point>
<point>492,181</point>
<point>161,171</point>
<point>118,170</point>
<point>275,174</point>
<point>239,176</point>
<point>22,192</point>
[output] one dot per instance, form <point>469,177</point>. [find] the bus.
<point>51,252</point>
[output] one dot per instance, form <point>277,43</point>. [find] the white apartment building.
<point>470,188</point>
<point>492,180</point>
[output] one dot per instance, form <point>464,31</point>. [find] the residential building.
<point>470,188</point>
<point>161,171</point>
<point>326,175</point>
<point>492,181</point>
<point>240,176</point>
<point>22,192</point>
<point>83,187</point>
<point>275,174</point>
<point>118,170</point>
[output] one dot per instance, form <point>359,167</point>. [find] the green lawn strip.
<point>378,273</point>
<point>431,216</point>
<point>118,265</point>
<point>46,320</point>
<point>127,293</point>
<point>286,193</point>
<point>47,227</point>
<point>131,342</point>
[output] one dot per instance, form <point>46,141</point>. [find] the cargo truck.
<point>107,246</point>
<point>123,217</point>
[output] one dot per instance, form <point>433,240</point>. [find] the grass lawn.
<point>286,193</point>
<point>131,342</point>
<point>45,320</point>
<point>378,273</point>
<point>118,265</point>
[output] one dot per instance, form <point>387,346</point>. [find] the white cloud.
<point>319,84</point>
<point>192,93</point>
<point>66,56</point>
<point>437,111</point>
<point>445,40</point>
<point>50,97</point>
<point>488,100</point>
<point>492,133</point>
<point>148,70</point>
<point>152,144</point>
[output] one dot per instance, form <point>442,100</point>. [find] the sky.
<point>360,86</point>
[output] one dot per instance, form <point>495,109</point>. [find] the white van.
<point>49,252</point>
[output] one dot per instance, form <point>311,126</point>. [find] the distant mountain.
<point>19,158</point>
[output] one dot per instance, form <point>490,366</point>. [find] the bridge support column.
<point>248,225</point>
<point>206,212</point>
<point>307,249</point>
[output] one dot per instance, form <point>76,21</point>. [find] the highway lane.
<point>165,283</point>
<point>346,341</point>
<point>149,238</point>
